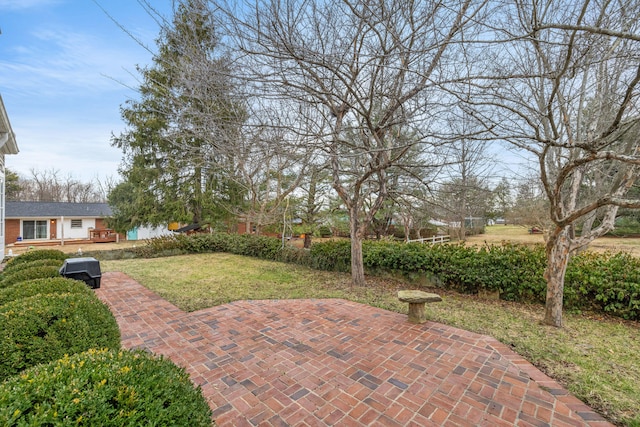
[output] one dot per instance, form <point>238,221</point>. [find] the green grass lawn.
<point>596,358</point>
<point>496,234</point>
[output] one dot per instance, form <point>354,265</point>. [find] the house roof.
<point>56,209</point>
<point>8,143</point>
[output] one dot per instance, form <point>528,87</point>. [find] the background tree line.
<point>50,186</point>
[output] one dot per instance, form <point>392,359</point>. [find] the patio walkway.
<point>336,362</point>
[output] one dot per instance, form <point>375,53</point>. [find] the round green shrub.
<point>43,328</point>
<point>104,388</point>
<point>199,243</point>
<point>38,254</point>
<point>50,285</point>
<point>607,282</point>
<point>332,255</point>
<point>35,263</point>
<point>31,273</point>
<point>264,247</point>
<point>295,255</point>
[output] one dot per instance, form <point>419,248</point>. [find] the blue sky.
<point>65,69</point>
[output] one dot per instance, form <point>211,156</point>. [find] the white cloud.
<point>81,150</point>
<point>66,61</point>
<point>25,4</point>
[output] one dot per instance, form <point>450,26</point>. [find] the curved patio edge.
<point>335,362</point>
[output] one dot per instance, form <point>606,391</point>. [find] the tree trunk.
<point>307,239</point>
<point>357,264</point>
<point>558,255</point>
<point>197,196</point>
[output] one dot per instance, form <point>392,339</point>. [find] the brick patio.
<point>336,362</point>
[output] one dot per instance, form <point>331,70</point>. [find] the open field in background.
<point>495,234</point>
<point>595,357</point>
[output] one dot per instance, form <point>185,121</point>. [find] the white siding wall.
<point>75,233</point>
<point>148,232</point>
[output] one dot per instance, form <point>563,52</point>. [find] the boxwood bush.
<point>332,255</point>
<point>103,388</point>
<point>35,254</point>
<point>514,270</point>
<point>42,328</point>
<point>256,246</point>
<point>51,285</point>
<point>294,255</point>
<point>606,282</point>
<point>200,243</point>
<point>21,275</point>
<point>10,268</point>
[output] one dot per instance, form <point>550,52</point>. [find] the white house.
<point>8,145</point>
<point>141,233</point>
<point>59,221</point>
<point>53,221</point>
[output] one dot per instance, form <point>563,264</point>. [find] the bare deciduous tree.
<point>465,194</point>
<point>269,174</point>
<point>49,186</point>
<point>530,204</point>
<point>569,96</point>
<point>364,74</point>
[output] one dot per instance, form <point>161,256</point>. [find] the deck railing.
<point>432,240</point>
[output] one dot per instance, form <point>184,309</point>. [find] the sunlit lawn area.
<point>495,234</point>
<point>596,358</point>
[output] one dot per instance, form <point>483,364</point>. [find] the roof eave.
<point>10,146</point>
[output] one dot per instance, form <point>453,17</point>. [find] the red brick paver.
<point>336,362</point>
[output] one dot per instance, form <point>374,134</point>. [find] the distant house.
<point>141,233</point>
<point>47,221</point>
<point>8,145</point>
<point>42,222</point>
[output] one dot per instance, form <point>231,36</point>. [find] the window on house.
<point>76,223</point>
<point>34,230</point>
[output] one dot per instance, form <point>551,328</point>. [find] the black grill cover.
<point>85,269</point>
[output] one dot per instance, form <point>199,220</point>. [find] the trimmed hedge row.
<point>51,285</point>
<point>245,244</point>
<point>606,282</point>
<point>38,254</point>
<point>47,262</point>
<point>43,328</point>
<point>42,322</point>
<point>103,388</point>
<point>30,273</point>
<point>514,270</point>
<point>332,255</point>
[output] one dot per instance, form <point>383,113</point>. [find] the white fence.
<point>433,240</point>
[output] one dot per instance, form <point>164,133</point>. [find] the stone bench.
<point>417,300</point>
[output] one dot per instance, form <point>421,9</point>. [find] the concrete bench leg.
<point>417,300</point>
<point>417,313</point>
